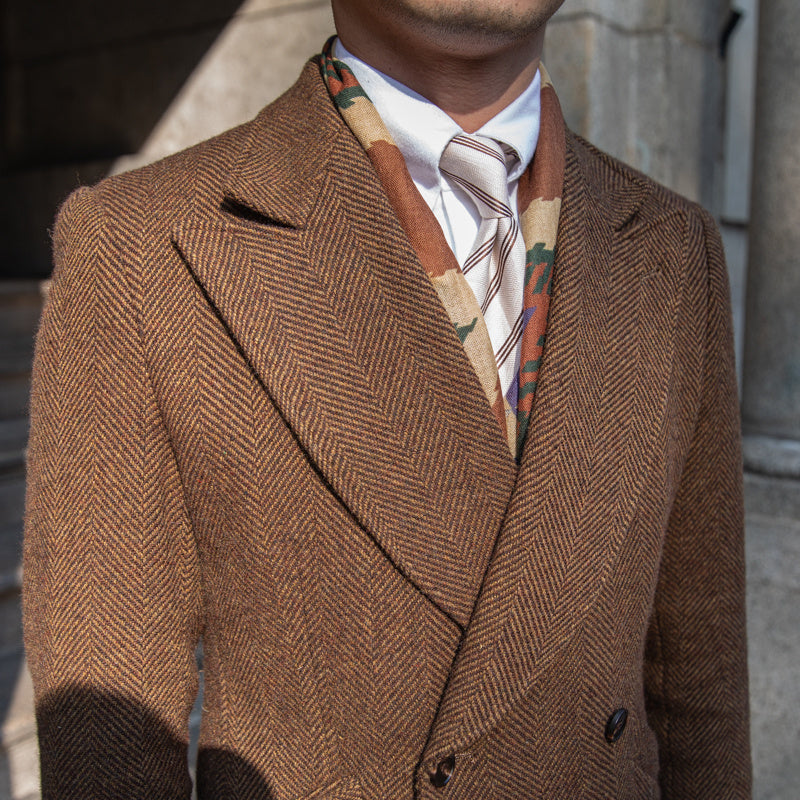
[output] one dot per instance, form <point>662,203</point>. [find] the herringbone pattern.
<point>253,422</point>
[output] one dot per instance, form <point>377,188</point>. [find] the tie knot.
<point>478,165</point>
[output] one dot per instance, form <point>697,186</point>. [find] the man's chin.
<point>503,19</point>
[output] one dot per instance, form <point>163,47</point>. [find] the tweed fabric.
<point>539,204</point>
<point>252,424</point>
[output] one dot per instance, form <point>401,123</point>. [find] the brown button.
<point>616,724</point>
<point>440,777</point>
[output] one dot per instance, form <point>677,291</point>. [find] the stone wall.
<point>644,80</point>
<point>88,83</point>
<point>255,58</point>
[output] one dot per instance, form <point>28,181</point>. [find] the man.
<point>273,409</point>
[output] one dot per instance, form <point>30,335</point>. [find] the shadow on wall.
<point>84,82</point>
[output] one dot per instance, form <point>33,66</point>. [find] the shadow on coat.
<point>97,745</point>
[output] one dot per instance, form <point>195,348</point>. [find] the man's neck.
<point>471,90</point>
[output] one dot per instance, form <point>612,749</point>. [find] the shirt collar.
<point>421,130</point>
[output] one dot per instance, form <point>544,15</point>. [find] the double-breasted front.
<point>253,423</point>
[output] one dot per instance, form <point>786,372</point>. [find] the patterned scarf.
<point>539,204</point>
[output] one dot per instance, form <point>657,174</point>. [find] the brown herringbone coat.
<point>253,421</point>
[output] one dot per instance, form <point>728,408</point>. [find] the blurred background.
<point>701,94</point>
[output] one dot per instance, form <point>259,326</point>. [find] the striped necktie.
<point>495,269</point>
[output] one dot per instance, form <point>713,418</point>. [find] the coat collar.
<point>315,279</point>
<point>277,173</point>
<point>597,415</point>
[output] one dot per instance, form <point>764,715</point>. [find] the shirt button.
<point>440,777</point>
<point>616,725</point>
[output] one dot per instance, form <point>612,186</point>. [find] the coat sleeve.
<point>696,659</point>
<point>111,589</point>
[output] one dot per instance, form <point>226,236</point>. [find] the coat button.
<point>440,777</point>
<point>616,724</point>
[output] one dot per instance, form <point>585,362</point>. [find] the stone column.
<point>771,386</point>
<point>643,80</point>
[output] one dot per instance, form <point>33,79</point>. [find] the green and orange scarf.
<point>539,205</point>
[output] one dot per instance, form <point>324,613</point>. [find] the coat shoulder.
<point>608,177</point>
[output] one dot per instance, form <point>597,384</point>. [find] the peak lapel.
<point>319,286</point>
<point>599,408</point>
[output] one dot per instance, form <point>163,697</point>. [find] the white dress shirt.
<point>421,130</point>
